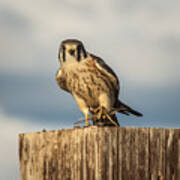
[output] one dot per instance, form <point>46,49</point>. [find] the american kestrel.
<point>92,83</point>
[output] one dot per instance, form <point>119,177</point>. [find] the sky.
<point>139,40</point>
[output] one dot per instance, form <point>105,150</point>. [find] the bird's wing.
<point>104,68</point>
<point>61,80</point>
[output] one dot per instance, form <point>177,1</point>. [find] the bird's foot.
<point>107,116</point>
<point>99,112</point>
<point>102,114</point>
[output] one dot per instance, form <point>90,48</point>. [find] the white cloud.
<point>139,40</point>
<point>130,37</point>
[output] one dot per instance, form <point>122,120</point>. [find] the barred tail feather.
<point>125,109</point>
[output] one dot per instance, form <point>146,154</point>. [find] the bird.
<point>93,84</point>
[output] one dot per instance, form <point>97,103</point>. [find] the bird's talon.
<point>100,113</point>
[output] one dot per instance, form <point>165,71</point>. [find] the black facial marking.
<point>80,49</point>
<point>64,54</point>
<point>84,52</point>
<point>79,52</point>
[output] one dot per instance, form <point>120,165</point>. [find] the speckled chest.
<point>86,81</point>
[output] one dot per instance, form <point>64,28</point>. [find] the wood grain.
<point>101,153</point>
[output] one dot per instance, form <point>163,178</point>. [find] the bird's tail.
<point>125,109</point>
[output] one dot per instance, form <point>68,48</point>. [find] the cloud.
<point>139,40</point>
<point>133,38</point>
<point>37,98</point>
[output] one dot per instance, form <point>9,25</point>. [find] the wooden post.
<point>98,153</point>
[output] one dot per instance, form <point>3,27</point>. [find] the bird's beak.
<point>71,52</point>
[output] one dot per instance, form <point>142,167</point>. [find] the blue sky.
<point>140,40</point>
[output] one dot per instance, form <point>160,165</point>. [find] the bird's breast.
<point>88,83</point>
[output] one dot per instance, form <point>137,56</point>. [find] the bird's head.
<point>71,50</point>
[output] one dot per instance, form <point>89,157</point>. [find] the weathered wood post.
<point>98,153</point>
